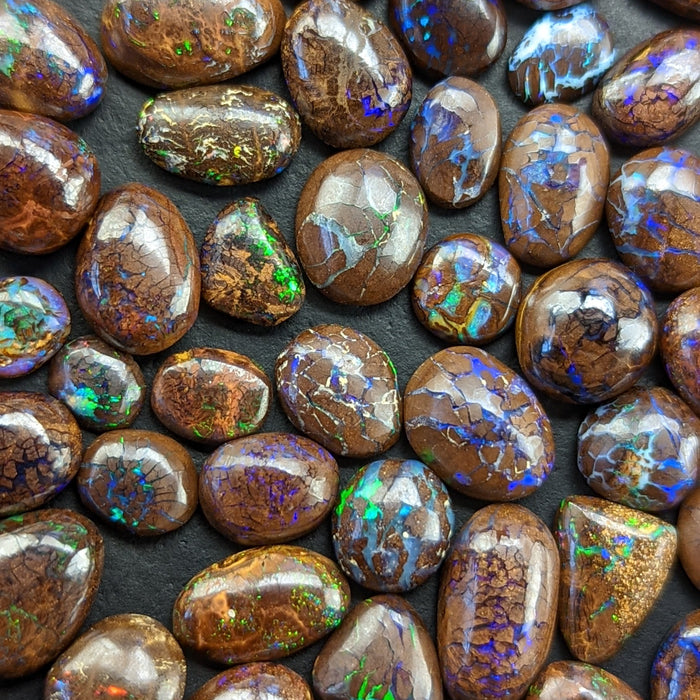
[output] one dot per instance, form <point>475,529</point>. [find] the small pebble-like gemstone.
<point>548,4</point>
<point>552,183</point>
<point>248,269</point>
<point>347,74</point>
<point>50,568</point>
<point>689,536</point>
<point>34,324</point>
<point>614,563</point>
<point>653,212</point>
<point>684,8</point>
<point>268,488</point>
<point>392,525</point>
<point>50,65</point>
<point>122,656</point>
<point>220,134</point>
<point>467,289</point>
<point>338,387</point>
<point>456,142</point>
<point>586,331</point>
<point>50,183</point>
<point>143,482</point>
<point>256,681</point>
<point>103,387</point>
<point>651,94</point>
<point>478,425</point>
<point>210,395</point>
<point>562,56</point>
<point>189,42</point>
<point>381,648</point>
<point>497,604</point>
<point>260,604</point>
<point>41,446</point>
<point>361,225</point>
<point>450,37</point>
<point>137,271</point>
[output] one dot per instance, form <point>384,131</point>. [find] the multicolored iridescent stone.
<point>689,536</point>
<point>614,563</point>
<point>255,681</point>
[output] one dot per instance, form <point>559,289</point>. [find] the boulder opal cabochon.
<point>137,271</point>
<point>548,4</point>
<point>190,42</point>
<point>255,681</point>
<point>684,8</point>
<point>347,74</point>
<point>689,535</point>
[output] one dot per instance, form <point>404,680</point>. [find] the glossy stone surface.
<point>653,212</point>
<point>338,387</point>
<point>548,4</point>
<point>34,324</point>
<point>497,604</point>
<point>651,94</point>
<point>103,387</point>
<point>189,42</point>
<point>50,568</point>
<point>49,182</point>
<point>268,488</point>
<point>122,656</point>
<point>210,395</point>
<point>382,647</point>
<point>614,563</point>
<point>220,134</point>
<point>689,536</point>
<point>641,449</point>
<point>347,74</point>
<point>260,604</point>
<point>450,37</point>
<point>552,184</point>
<point>586,331</point>
<point>248,269</point>
<point>361,224</point>
<point>467,289</point>
<point>455,143</point>
<point>50,65</point>
<point>137,271</point>
<point>561,56</point>
<point>392,525</point>
<point>143,482</point>
<point>684,8</point>
<point>256,681</point>
<point>478,425</point>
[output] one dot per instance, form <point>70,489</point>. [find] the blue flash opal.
<point>675,673</point>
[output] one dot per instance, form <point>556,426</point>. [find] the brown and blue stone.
<point>260,680</point>
<point>689,535</point>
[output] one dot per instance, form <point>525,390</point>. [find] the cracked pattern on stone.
<point>675,673</point>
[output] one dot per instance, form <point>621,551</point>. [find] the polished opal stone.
<point>586,331</point>
<point>41,446</point>
<point>143,482</point>
<point>210,395</point>
<point>248,270</point>
<point>361,224</point>
<point>34,324</point>
<point>260,604</point>
<point>103,387</point>
<point>562,56</point>
<point>467,289</point>
<point>381,650</point>
<point>122,656</point>
<point>689,536</point>
<point>651,94</point>
<point>347,74</point>
<point>548,4</point>
<point>257,681</point>
<point>137,271</point>
<point>614,563</point>
<point>450,37</point>
<point>641,449</point>
<point>268,488</point>
<point>49,183</point>
<point>48,63</point>
<point>220,134</point>
<point>684,8</point>
<point>50,568</point>
<point>653,211</point>
<point>497,604</point>
<point>456,142</point>
<point>552,183</point>
<point>392,525</point>
<point>189,42</point>
<point>478,425</point>
<point>338,387</point>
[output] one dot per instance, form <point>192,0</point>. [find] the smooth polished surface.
<point>548,4</point>
<point>684,8</point>
<point>256,681</point>
<point>689,536</point>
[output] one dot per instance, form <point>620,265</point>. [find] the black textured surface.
<point>145,576</point>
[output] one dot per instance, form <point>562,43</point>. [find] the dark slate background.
<point>145,576</point>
